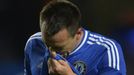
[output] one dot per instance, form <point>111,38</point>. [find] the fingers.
<point>52,52</point>
<point>56,66</point>
<point>62,62</point>
<point>53,66</point>
<point>50,66</point>
<point>59,67</point>
<point>54,63</point>
<point>53,60</point>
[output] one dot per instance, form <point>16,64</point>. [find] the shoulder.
<point>112,46</point>
<point>33,39</point>
<point>36,36</point>
<point>95,38</point>
<point>114,55</point>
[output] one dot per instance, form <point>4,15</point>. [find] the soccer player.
<point>64,47</point>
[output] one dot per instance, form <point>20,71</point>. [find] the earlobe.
<point>78,35</point>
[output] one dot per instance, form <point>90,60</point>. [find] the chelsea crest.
<point>80,66</point>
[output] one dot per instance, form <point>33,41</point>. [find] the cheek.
<point>69,44</point>
<point>61,38</point>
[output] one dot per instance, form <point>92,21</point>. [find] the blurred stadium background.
<point>20,18</point>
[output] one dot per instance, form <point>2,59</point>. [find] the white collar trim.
<point>82,43</point>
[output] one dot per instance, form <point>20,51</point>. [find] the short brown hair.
<point>58,14</point>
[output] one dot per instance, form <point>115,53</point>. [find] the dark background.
<point>19,19</point>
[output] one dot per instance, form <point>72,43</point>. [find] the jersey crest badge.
<point>80,66</point>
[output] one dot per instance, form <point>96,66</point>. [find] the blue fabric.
<point>59,57</point>
<point>95,55</point>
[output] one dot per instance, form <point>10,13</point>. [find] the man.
<point>63,47</point>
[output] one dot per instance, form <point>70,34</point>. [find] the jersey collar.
<point>81,43</point>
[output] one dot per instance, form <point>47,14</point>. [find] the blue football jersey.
<point>95,55</point>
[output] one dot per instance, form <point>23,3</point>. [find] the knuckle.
<point>57,69</point>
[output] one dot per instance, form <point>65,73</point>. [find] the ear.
<point>79,33</point>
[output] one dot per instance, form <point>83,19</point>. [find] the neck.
<point>78,41</point>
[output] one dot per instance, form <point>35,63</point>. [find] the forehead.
<point>59,39</point>
<point>61,36</point>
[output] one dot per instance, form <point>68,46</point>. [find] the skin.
<point>62,40</point>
